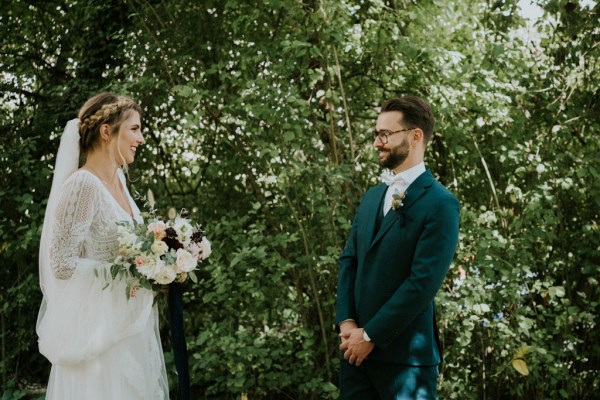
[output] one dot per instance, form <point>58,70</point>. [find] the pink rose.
<point>194,249</point>
<point>158,228</point>
<point>139,261</point>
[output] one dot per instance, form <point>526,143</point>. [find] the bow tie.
<point>391,179</point>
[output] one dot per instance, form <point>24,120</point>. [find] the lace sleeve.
<point>74,215</point>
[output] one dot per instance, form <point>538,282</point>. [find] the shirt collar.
<point>411,174</point>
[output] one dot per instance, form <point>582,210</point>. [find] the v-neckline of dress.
<point>132,216</point>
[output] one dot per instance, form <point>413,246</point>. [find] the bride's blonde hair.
<point>104,108</point>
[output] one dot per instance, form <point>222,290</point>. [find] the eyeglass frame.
<point>380,135</point>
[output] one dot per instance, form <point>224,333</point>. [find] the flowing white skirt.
<point>130,369</point>
<point>102,345</point>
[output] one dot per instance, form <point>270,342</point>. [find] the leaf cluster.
<point>259,116</point>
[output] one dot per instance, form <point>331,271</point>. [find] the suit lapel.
<point>417,189</point>
<point>374,209</point>
<point>413,193</point>
<point>387,223</point>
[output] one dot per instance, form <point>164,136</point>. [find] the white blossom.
<point>150,267</point>
<point>205,249</point>
<point>159,247</point>
<point>184,230</point>
<point>185,261</point>
<point>165,275</point>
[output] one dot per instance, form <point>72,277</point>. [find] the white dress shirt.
<point>400,186</point>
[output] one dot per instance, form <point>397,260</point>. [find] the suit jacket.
<point>388,278</point>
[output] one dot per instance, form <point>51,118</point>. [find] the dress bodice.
<point>86,223</point>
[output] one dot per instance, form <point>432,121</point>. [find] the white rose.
<point>123,229</point>
<point>165,275</point>
<point>150,267</point>
<point>185,261</point>
<point>205,249</point>
<point>128,240</point>
<point>159,247</point>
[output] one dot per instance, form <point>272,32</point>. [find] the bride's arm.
<point>82,318</point>
<point>74,216</point>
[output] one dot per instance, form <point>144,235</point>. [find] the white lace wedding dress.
<point>101,345</point>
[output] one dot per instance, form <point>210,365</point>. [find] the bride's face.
<point>129,138</point>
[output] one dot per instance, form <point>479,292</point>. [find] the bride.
<point>101,345</point>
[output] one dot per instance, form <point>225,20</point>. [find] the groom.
<point>401,244</point>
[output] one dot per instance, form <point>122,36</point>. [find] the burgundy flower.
<point>197,237</point>
<point>171,239</point>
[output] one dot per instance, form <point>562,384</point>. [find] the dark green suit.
<point>389,277</point>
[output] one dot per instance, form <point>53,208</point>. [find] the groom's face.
<point>393,153</point>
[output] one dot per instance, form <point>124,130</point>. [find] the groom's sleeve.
<point>345,307</point>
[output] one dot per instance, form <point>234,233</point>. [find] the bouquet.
<point>159,252</point>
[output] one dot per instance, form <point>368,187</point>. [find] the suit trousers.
<point>377,380</point>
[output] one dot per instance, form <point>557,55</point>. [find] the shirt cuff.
<point>366,337</point>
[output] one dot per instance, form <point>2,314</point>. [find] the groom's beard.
<point>396,155</point>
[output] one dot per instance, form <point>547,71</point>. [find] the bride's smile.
<point>130,137</point>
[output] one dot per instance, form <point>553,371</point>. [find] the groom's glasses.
<point>383,135</point>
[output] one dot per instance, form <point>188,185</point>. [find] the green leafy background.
<point>257,119</point>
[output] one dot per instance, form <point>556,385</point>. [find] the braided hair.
<point>104,108</point>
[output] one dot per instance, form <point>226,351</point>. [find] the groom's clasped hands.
<point>355,347</point>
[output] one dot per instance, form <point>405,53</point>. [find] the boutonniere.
<point>397,200</point>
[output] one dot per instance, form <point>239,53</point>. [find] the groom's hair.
<point>416,113</point>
